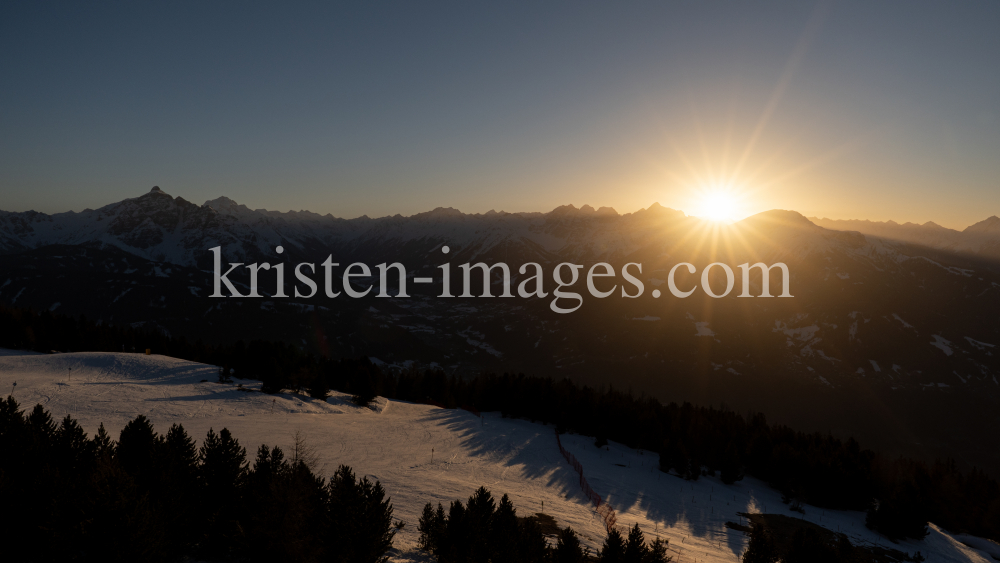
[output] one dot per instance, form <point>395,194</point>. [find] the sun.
<point>716,205</point>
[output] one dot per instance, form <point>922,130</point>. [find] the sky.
<point>849,110</point>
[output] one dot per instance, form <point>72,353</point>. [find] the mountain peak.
<point>225,205</point>
<point>565,210</point>
<point>782,217</point>
<point>439,212</point>
<point>986,226</point>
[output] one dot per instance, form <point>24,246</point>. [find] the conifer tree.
<point>479,520</point>
<point>568,548</point>
<point>360,518</point>
<point>222,473</point>
<point>41,424</point>
<point>104,446</point>
<point>635,546</point>
<point>429,529</point>
<point>532,545</point>
<point>658,551</point>
<point>76,452</point>
<point>613,550</point>
<point>318,387</point>
<point>177,492</point>
<point>137,450</point>
<point>505,531</point>
<point>456,547</point>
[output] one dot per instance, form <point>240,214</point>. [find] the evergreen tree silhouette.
<point>658,551</point>
<point>479,521</point>
<point>138,451</point>
<point>635,546</point>
<point>222,473</point>
<point>613,550</point>
<point>178,490</point>
<point>505,532</point>
<point>568,548</point>
<point>360,518</point>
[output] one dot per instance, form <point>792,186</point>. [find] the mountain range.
<point>891,335</point>
<point>981,239</point>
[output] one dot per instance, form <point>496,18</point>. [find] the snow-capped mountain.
<point>891,340</point>
<point>162,228</point>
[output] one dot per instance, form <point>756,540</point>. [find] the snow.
<point>940,342</point>
<point>392,442</point>
<point>479,343</point>
<point>978,344</point>
<point>804,334</point>
<point>988,547</point>
<point>703,329</point>
<point>905,324</point>
<point>875,366</point>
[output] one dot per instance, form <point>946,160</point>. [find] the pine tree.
<point>479,515</point>
<point>223,465</point>
<point>658,551</point>
<point>178,493</point>
<point>360,518</point>
<point>76,452</point>
<point>427,525</point>
<point>41,424</point>
<point>456,546</point>
<point>222,474</point>
<point>505,532</point>
<point>364,389</point>
<point>318,387</point>
<point>137,450</point>
<point>568,549</point>
<point>613,550</point>
<point>635,546</point>
<point>103,444</point>
<point>531,542</point>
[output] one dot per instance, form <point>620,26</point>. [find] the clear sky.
<point>870,110</point>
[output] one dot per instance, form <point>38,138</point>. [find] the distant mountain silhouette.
<point>981,239</point>
<point>890,335</point>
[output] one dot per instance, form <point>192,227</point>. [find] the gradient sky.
<point>874,110</point>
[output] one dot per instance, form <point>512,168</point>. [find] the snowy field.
<point>393,443</point>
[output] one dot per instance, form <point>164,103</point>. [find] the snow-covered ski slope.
<point>393,443</point>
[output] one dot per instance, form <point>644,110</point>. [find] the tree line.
<point>484,531</point>
<point>157,497</point>
<point>900,495</point>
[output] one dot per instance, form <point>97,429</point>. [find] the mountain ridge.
<point>884,338</point>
